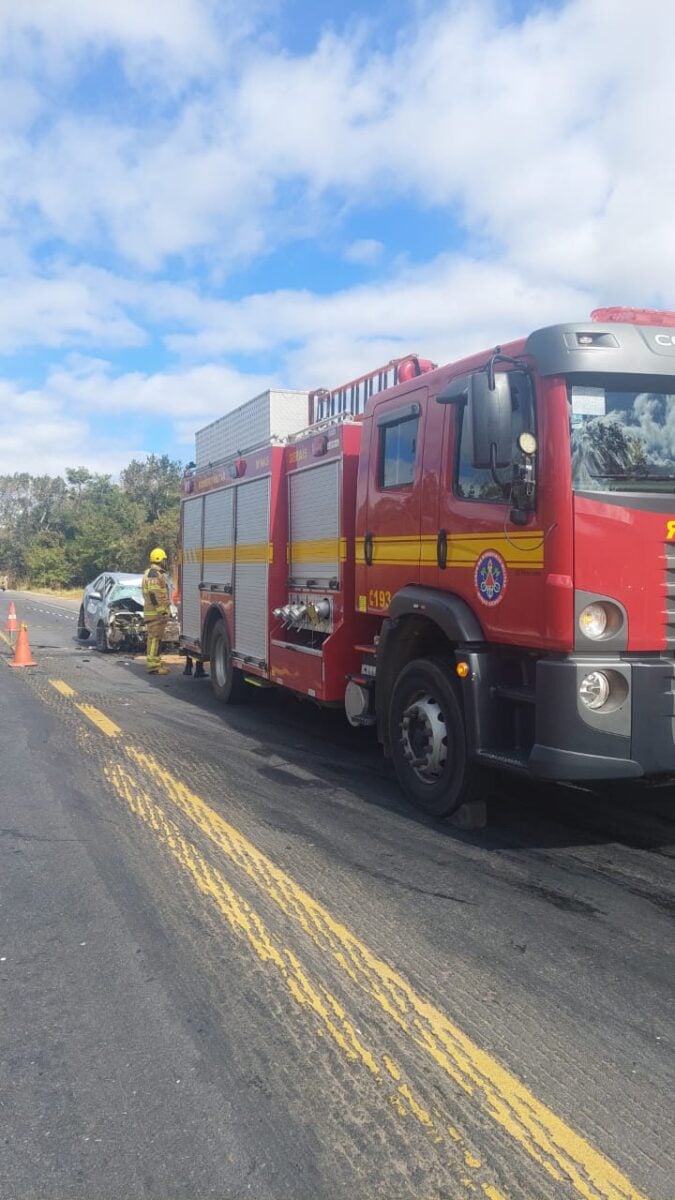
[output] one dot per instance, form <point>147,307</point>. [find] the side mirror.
<point>490,411</point>
<point>94,595</point>
<point>454,392</point>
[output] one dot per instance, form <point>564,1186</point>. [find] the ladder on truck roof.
<point>350,398</point>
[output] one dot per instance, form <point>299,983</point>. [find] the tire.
<point>428,738</point>
<point>82,631</point>
<point>102,639</point>
<point>227,681</point>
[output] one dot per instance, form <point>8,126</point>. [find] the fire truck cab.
<point>479,558</point>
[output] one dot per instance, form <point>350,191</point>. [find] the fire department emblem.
<point>491,578</point>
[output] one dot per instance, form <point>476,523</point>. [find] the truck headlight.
<point>593,620</point>
<point>594,689</point>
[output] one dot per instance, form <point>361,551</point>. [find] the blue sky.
<point>202,199</point>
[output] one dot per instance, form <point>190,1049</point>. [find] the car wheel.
<point>82,631</point>
<point>428,739</point>
<point>227,681</point>
<point>102,644</point>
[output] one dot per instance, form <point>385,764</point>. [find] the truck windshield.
<point>623,440</point>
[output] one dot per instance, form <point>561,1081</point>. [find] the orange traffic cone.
<point>11,624</point>
<point>22,653</point>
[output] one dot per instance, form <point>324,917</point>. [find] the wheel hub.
<point>424,737</point>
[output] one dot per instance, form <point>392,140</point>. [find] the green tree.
<point>46,562</point>
<point>153,484</point>
<point>58,532</point>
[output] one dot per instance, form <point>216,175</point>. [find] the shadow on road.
<point>522,813</point>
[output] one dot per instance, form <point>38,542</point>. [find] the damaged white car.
<point>112,610</point>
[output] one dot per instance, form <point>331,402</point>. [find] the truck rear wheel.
<point>227,681</point>
<point>428,738</point>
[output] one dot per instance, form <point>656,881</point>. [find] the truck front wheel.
<point>428,738</point>
<point>227,682</point>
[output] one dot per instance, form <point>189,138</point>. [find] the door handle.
<point>442,548</point>
<point>368,549</point>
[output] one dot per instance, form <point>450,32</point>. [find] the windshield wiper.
<point>633,475</point>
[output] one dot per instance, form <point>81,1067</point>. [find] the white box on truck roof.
<point>272,414</point>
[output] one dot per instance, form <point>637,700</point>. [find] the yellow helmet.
<point>158,555</point>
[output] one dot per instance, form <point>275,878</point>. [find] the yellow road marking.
<point>6,640</point>
<point>246,923</point>
<point>100,720</point>
<point>62,687</point>
<point>563,1153</point>
<point>92,714</point>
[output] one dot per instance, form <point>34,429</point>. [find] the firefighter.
<point>156,608</point>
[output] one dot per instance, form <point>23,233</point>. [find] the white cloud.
<point>62,311</point>
<point>198,394</point>
<point>185,33</point>
<point>84,414</point>
<point>546,143</point>
<point>448,308</point>
<point>365,251</point>
<point>38,435</point>
<point>548,140</point>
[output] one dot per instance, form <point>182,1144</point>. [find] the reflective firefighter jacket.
<point>156,597</point>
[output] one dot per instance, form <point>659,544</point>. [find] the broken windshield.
<point>623,440</point>
<point>126,591</point>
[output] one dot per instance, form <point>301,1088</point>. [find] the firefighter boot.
<point>155,664</point>
<point>188,666</point>
<point>200,673</point>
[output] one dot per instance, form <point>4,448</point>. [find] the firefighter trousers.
<point>155,624</point>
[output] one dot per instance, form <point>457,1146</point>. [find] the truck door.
<point>191,568</point>
<point>388,556</point>
<point>251,570</point>
<point>496,566</point>
<point>218,540</point>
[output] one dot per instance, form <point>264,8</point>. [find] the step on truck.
<point>478,558</point>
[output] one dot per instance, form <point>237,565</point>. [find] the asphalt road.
<point>234,962</point>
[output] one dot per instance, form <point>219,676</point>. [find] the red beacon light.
<point>634,316</point>
<point>412,366</point>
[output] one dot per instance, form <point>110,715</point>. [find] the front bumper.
<point>635,739</point>
<point>129,629</point>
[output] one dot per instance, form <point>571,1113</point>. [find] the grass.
<point>59,594</point>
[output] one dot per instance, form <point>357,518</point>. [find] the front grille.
<point>669,594</point>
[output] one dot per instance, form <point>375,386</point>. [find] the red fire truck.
<point>478,558</point>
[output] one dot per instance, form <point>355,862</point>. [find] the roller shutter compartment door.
<point>192,568</point>
<point>314,522</point>
<point>219,538</point>
<point>251,556</point>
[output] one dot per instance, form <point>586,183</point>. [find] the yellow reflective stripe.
<point>518,550</point>
<point>260,552</point>
<point>320,550</point>
<point>218,554</point>
<point>524,550</point>
<point>257,552</point>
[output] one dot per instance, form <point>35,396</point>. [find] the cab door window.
<point>477,483</point>
<point>398,448</point>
